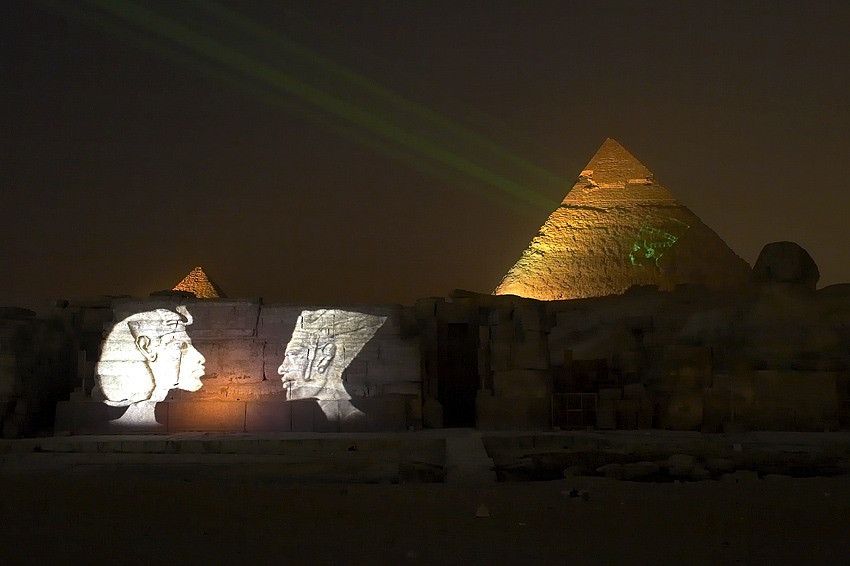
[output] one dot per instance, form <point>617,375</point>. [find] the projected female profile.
<point>323,343</point>
<point>145,356</point>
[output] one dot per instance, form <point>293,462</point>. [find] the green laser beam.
<point>232,58</point>
<point>146,43</point>
<point>258,30</point>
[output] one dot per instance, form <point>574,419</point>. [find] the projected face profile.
<point>145,356</point>
<point>323,343</point>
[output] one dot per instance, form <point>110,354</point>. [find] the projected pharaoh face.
<point>146,355</point>
<point>323,343</point>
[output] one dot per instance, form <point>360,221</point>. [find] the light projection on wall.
<point>323,343</point>
<point>654,242</point>
<point>145,356</point>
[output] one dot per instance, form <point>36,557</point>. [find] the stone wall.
<point>348,368</point>
<point>38,367</point>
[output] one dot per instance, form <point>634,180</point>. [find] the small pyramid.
<point>198,283</point>
<point>619,227</point>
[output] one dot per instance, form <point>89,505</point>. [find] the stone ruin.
<point>618,227</point>
<point>678,333</point>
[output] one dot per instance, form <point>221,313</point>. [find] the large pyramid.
<point>198,283</point>
<point>616,228</point>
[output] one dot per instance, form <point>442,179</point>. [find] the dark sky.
<point>265,145</point>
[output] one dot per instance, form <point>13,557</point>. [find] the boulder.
<point>699,473</point>
<point>741,476</point>
<point>719,465</point>
<point>786,262</point>
<point>573,471</point>
<point>637,470</point>
<point>680,465</point>
<point>611,471</point>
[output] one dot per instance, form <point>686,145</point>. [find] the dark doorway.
<point>458,377</point>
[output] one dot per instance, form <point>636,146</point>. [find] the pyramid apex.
<point>199,284</point>
<point>613,163</point>
<point>614,174</point>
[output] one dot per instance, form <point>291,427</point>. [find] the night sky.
<point>381,151</point>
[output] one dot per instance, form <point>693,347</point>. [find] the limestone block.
<point>206,415</point>
<point>637,470</point>
<point>533,337</point>
<point>699,473</point>
<point>395,319</point>
<point>717,409</point>
<point>225,318</point>
<point>626,413</point>
<point>682,411</point>
<point>483,334</point>
<point>503,333</point>
<point>614,471</point>
<point>427,308</point>
<point>611,393</point>
<point>414,412</point>
<point>94,417</point>
<point>268,416</point>
<point>573,472</point>
<point>529,356</point>
<point>432,413</point>
<point>94,319</point>
<point>389,359</point>
<point>511,413</point>
<point>741,476</point>
<point>786,262</point>
<point>483,354</point>
<point>500,357</point>
<point>680,461</point>
<point>522,383</point>
<point>795,400</point>
<point>373,414</point>
<point>412,389</point>
<point>530,317</point>
<point>605,415</point>
<point>499,314</point>
<point>455,313</point>
<point>634,391</point>
<point>645,419</point>
<point>239,359</point>
<point>686,367</point>
<point>307,416</point>
<point>719,465</point>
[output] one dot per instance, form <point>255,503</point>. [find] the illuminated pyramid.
<point>616,228</point>
<point>198,283</point>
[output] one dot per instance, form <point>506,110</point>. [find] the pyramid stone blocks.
<point>616,228</point>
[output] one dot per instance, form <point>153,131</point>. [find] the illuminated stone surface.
<point>145,356</point>
<point>198,283</point>
<point>616,228</point>
<point>324,342</point>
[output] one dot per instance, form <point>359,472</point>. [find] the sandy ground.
<point>201,513</point>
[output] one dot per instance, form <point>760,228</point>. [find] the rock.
<point>611,471</point>
<point>786,262</point>
<point>573,471</point>
<point>719,465</point>
<point>680,465</point>
<point>639,470</point>
<point>741,476</point>
<point>777,477</point>
<point>680,460</point>
<point>699,473</point>
<point>634,391</point>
